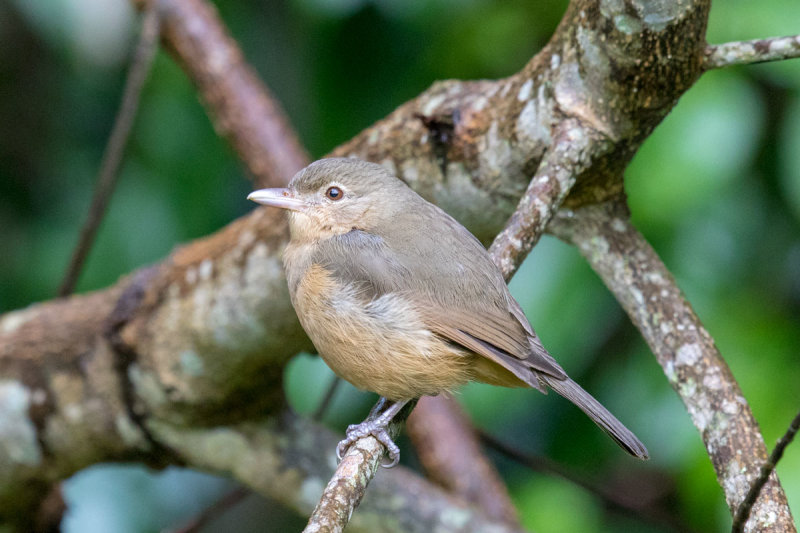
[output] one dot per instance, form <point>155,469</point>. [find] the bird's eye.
<point>334,193</point>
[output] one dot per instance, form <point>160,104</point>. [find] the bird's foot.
<point>376,425</point>
<point>375,429</point>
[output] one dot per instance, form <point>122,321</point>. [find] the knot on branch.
<point>441,129</point>
<point>127,306</point>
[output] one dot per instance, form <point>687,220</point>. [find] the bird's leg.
<point>376,424</point>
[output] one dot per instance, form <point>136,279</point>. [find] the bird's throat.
<point>308,228</point>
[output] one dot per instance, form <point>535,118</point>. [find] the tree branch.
<point>289,460</point>
<point>228,500</point>
<point>115,149</point>
<point>755,51</point>
<point>240,105</point>
<point>746,507</point>
<point>325,403</point>
<point>348,485</point>
<point>574,149</point>
<point>684,349</point>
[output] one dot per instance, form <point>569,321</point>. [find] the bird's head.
<point>334,196</point>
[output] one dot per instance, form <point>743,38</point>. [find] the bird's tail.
<point>599,414</point>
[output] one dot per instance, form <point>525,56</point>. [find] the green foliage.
<point>552,505</point>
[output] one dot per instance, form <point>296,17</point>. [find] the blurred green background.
<point>716,190</point>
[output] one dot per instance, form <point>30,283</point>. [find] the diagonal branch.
<point>692,363</point>
<point>755,51</point>
<point>745,508</point>
<point>242,108</point>
<point>215,510</point>
<point>631,504</point>
<point>115,150</point>
<point>574,149</point>
<point>327,399</point>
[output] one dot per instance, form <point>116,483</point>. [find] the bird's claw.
<point>375,429</point>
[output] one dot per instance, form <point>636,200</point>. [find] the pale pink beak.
<point>283,198</point>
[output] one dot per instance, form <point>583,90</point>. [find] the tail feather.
<point>599,414</point>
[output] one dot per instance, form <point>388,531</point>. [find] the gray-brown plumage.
<point>400,299</point>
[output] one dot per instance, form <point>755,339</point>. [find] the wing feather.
<point>488,324</point>
<point>499,338</point>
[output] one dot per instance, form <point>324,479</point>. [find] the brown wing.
<point>489,322</point>
<point>497,335</point>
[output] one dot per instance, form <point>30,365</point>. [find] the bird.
<point>400,299</point>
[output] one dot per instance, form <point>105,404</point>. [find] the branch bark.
<point>692,363</point>
<point>289,459</point>
<point>755,51</point>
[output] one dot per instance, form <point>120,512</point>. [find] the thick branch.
<point>685,350</point>
<point>755,51</point>
<point>61,400</point>
<point>290,459</point>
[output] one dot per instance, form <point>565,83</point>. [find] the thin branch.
<point>348,485</point>
<point>449,450</point>
<point>692,363</point>
<point>327,399</point>
<point>115,149</point>
<point>537,463</point>
<point>755,51</point>
<point>568,157</point>
<point>51,510</point>
<point>631,506</point>
<point>743,512</point>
